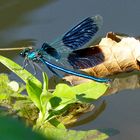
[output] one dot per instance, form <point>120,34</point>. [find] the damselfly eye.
<point>25,52</point>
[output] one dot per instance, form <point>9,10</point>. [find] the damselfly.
<point>78,37</point>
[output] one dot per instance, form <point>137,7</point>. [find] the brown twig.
<point>14,49</point>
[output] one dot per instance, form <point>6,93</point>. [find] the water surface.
<point>26,23</point>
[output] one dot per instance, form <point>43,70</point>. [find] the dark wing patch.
<point>82,33</point>
<point>86,58</point>
<point>50,50</point>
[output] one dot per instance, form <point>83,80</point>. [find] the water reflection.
<point>128,82</point>
<point>12,15</point>
<point>12,12</point>
<point>93,115</point>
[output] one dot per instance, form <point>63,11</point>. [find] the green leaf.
<point>65,95</point>
<point>90,90</point>
<point>64,91</point>
<point>45,96</point>
<point>34,93</point>
<point>62,96</point>
<point>62,134</point>
<point>11,129</point>
<point>17,69</point>
<point>45,80</point>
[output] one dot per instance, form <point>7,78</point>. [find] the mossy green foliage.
<point>7,94</point>
<point>53,104</point>
<point>14,103</point>
<point>50,105</point>
<point>5,90</point>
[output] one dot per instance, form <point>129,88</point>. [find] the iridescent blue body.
<point>64,48</point>
<point>32,56</point>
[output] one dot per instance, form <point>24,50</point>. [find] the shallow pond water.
<point>26,23</point>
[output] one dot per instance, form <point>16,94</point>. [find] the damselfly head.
<point>25,52</point>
